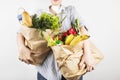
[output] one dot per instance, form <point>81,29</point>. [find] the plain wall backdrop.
<point>101,17</point>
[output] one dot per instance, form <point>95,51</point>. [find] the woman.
<point>49,70</point>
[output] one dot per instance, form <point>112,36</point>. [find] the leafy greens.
<point>46,21</point>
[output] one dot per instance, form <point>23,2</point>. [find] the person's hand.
<point>89,61</point>
<point>24,54</point>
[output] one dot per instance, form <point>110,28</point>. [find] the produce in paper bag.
<point>33,28</point>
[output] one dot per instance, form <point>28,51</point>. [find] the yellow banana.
<point>75,40</point>
<point>26,19</point>
<point>69,39</point>
<point>78,38</point>
<point>84,37</point>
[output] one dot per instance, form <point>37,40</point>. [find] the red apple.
<point>72,31</point>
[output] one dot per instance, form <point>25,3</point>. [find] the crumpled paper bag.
<point>68,59</point>
<point>36,43</point>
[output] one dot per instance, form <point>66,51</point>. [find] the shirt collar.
<point>61,9</point>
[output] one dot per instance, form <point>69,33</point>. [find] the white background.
<point>101,17</point>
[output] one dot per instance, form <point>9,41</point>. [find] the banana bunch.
<point>26,19</point>
<point>73,40</point>
<point>69,39</point>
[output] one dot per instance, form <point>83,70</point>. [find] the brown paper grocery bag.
<point>36,43</point>
<point>68,59</point>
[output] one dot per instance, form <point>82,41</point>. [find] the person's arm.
<point>87,58</point>
<point>24,52</point>
<point>20,41</point>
